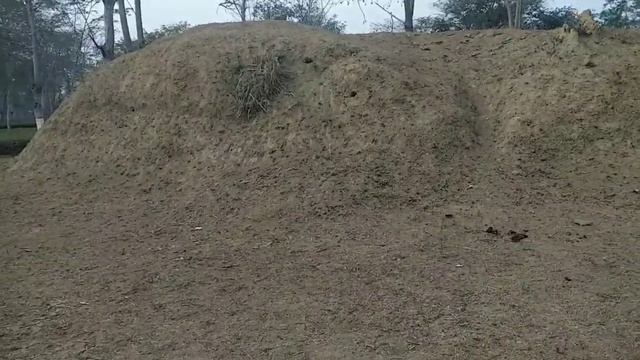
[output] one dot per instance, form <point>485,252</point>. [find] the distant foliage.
<point>272,10</point>
<point>487,14</point>
<point>491,14</point>
<point>307,12</point>
<point>239,8</point>
<point>621,13</point>
<point>166,31</point>
<point>434,24</point>
<point>546,19</point>
<point>427,24</point>
<point>65,54</point>
<point>481,14</point>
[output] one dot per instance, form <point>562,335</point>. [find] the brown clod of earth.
<point>516,236</point>
<point>583,222</point>
<point>492,230</point>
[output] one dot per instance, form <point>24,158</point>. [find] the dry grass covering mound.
<point>468,195</point>
<point>365,120</point>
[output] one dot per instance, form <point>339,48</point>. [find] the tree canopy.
<point>307,12</point>
<point>621,13</point>
<point>64,53</point>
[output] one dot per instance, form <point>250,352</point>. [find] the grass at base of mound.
<point>12,141</point>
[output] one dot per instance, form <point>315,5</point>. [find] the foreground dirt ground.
<point>127,278</point>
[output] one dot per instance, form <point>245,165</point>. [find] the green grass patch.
<point>12,141</point>
<point>17,134</point>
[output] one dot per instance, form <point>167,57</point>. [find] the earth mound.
<point>265,190</point>
<point>372,120</point>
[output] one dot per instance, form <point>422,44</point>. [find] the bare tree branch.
<point>388,12</point>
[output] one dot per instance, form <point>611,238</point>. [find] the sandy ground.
<point>139,277</point>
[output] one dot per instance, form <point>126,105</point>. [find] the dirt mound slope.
<point>468,195</point>
<point>362,119</point>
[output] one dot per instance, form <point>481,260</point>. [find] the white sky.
<point>160,12</point>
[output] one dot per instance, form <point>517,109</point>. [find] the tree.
<point>108,49</point>
<point>316,13</point>
<point>518,17</point>
<point>272,10</point>
<point>434,24</point>
<point>15,54</point>
<point>103,23</point>
<point>409,6</point>
<point>6,91</point>
<point>425,24</point>
<point>124,23</point>
<point>43,53</point>
<point>487,14</point>
<point>4,110</point>
<point>308,12</point>
<point>35,58</point>
<point>547,19</point>
<point>507,4</point>
<point>139,28</point>
<point>236,7</point>
<point>90,23</point>
<point>390,25</point>
<point>621,13</point>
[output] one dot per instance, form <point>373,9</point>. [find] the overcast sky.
<point>195,12</point>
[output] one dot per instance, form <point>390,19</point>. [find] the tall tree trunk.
<point>3,109</point>
<point>519,14</point>
<point>409,5</point>
<point>48,103</point>
<point>243,11</point>
<point>8,109</point>
<point>5,93</point>
<point>109,44</point>
<point>139,28</point>
<point>37,76</point>
<point>124,23</point>
<point>507,3</point>
<point>45,101</point>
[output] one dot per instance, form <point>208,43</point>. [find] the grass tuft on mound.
<point>256,84</point>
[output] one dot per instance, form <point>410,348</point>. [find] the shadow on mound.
<point>12,148</point>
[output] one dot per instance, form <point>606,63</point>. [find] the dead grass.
<point>256,84</point>
<point>351,222</point>
<point>5,162</point>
